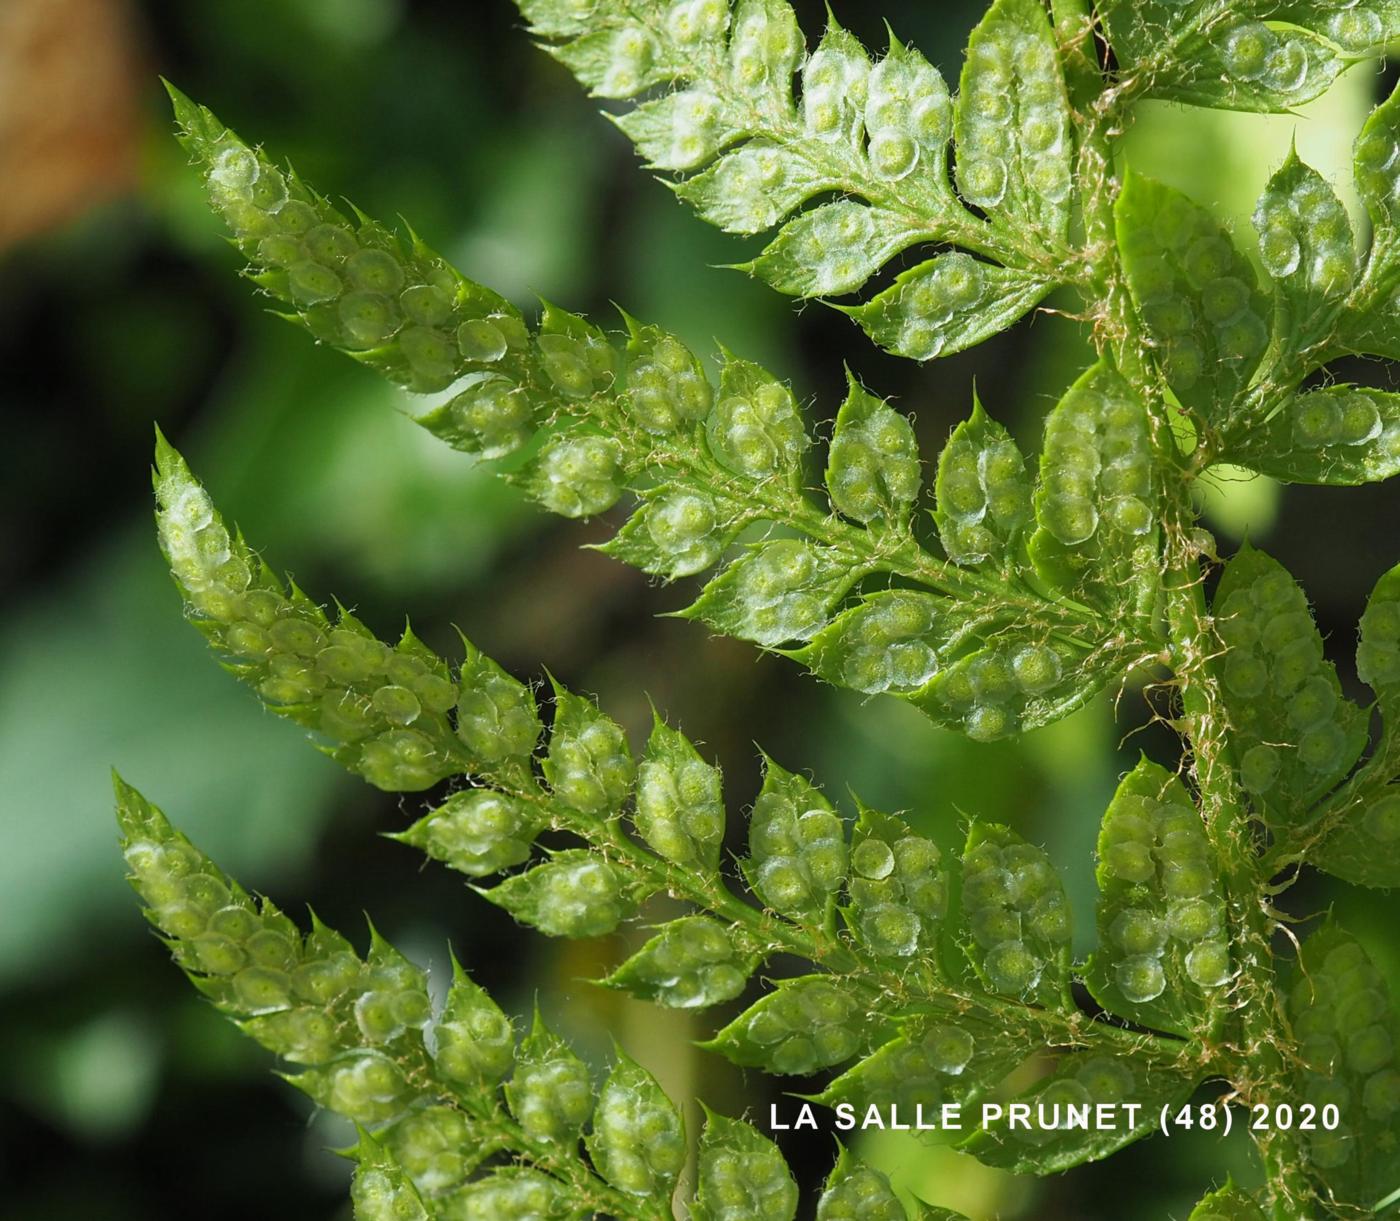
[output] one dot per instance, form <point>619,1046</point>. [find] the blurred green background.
<point>124,1096</point>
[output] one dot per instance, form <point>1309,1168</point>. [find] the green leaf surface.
<point>1229,1203</point>
<point>589,765</point>
<point>933,1062</point>
<point>898,889</point>
<point>550,1093</point>
<point>1357,29</point>
<point>1378,653</point>
<point>1339,436</point>
<point>872,467</point>
<point>1347,1027</point>
<point>691,963</point>
<point>983,493</point>
<point>680,801</point>
<point>575,893</point>
<point>797,846</point>
<point>1364,846</point>
<point>1295,735</point>
<point>1377,170</point>
<point>678,531</point>
<point>385,709</point>
<point>1197,294</point>
<point>857,1192</point>
<point>1097,499</point>
<point>1035,1138</point>
<point>947,304</point>
<point>741,1174</point>
<point>1016,917</point>
<point>1012,124</point>
<point>638,1137</point>
<point>776,592</point>
<point>1240,63</point>
<point>803,1025</point>
<point>833,249</point>
<point>381,1189</point>
<point>1307,247</point>
<point>1163,953</point>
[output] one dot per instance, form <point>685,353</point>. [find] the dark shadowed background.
<point>122,1095</point>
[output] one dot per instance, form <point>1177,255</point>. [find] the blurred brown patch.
<point>68,114</point>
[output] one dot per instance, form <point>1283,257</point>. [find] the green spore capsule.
<point>856,1192</point>
<point>550,1092</point>
<point>898,889</point>
<point>803,1025</point>
<point>638,1139</point>
<point>691,963</point>
<point>574,894</point>
<point>474,1041</point>
<point>589,764</point>
<point>679,803</point>
<point>797,845</point>
<point>477,832</point>
<point>1015,908</point>
<point>509,1195</point>
<point>742,1175</point>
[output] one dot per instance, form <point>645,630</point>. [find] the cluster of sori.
<point>1198,295</point>
<point>872,470</point>
<point>803,1025</point>
<point>1081,1081</point>
<point>691,963</point>
<point>946,304</point>
<point>1013,117</point>
<point>1096,467</point>
<point>406,311</point>
<point>989,690</point>
<point>1378,653</point>
<point>1251,51</point>
<point>1346,1030</point>
<point>371,1049</point>
<point>1295,732</point>
<point>1305,238</point>
<point>1325,418</point>
<point>1014,905</point>
<point>680,803</point>
<point>1162,912</point>
<point>388,708</point>
<point>797,846</point>
<point>898,889</point>
<point>884,643</point>
<point>932,1062</point>
<point>984,494</point>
